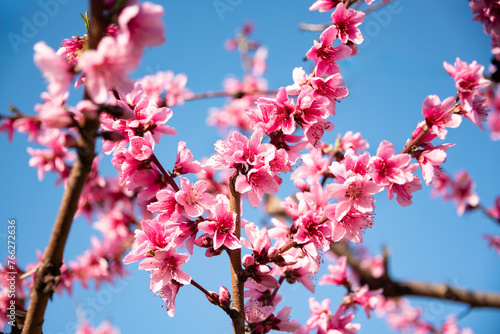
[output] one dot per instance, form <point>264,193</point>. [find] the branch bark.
<point>235,260</point>
<point>48,272</point>
<point>394,288</point>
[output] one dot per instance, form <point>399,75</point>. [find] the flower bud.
<point>248,261</point>
<point>224,296</point>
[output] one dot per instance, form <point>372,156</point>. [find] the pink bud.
<point>272,253</point>
<point>224,296</point>
<point>248,261</point>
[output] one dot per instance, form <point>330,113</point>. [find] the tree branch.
<point>48,272</point>
<point>235,259</point>
<point>394,288</point>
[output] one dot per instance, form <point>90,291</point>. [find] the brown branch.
<point>236,95</point>
<point>48,272</point>
<point>394,288</point>
<point>235,259</point>
<point>323,26</point>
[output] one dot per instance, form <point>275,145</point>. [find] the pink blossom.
<point>105,69</point>
<point>71,49</point>
<point>310,227</point>
<point>320,315</point>
<point>494,211</point>
<point>257,182</point>
<point>493,242</point>
<point>368,299</point>
<point>439,116</point>
<point>141,25</point>
<point>104,328</point>
<point>257,240</point>
<point>184,163</point>
<point>375,264</point>
<point>494,120</point>
<point>256,311</point>
<point>350,225</point>
<point>404,191</point>
<point>314,165</point>
<point>478,113</point>
<point>331,87</point>
<point>337,273</point>
<point>354,142</point>
<point>347,22</point>
<point>54,69</point>
<point>351,165</point>
<point>486,12</point>
<point>324,5</point>
<point>166,275</point>
<point>53,113</point>
<point>141,148</point>
<point>153,236</point>
<point>462,192</point>
<point>430,159</point>
<point>468,78</point>
<point>388,167</point>
<point>221,225</point>
<point>325,54</point>
<point>356,192</point>
<point>274,114</point>
<point>166,205</point>
<point>176,89</point>
<point>54,158</point>
<point>194,198</point>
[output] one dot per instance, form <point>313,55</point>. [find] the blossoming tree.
<point>274,139</point>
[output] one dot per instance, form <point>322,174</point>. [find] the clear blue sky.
<point>397,67</point>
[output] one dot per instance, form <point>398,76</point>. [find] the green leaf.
<point>86,19</point>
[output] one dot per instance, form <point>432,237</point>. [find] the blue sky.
<point>398,66</point>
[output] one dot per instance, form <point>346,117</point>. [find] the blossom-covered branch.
<point>393,288</point>
<point>48,272</point>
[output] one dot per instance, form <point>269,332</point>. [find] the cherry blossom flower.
<point>221,225</point>
<point>350,225</point>
<point>52,112</point>
<point>354,142</point>
<point>257,182</point>
<point>141,25</point>
<point>54,158</point>
<point>439,116</point>
<point>141,148</point>
<point>194,198</point>
<point>388,167</point>
<point>325,54</point>
<point>368,299</point>
<point>356,192</point>
<point>166,205</point>
<point>310,227</point>
<point>346,21</point>
<point>430,159</point>
<point>314,166</point>
<point>337,273</point>
<point>493,242</point>
<point>104,328</point>
<point>105,68</point>
<point>166,275</point>
<point>71,49</point>
<point>324,5</point>
<point>462,192</point>
<point>468,78</point>
<point>54,69</point>
<point>152,237</point>
<point>184,163</point>
<point>175,85</point>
